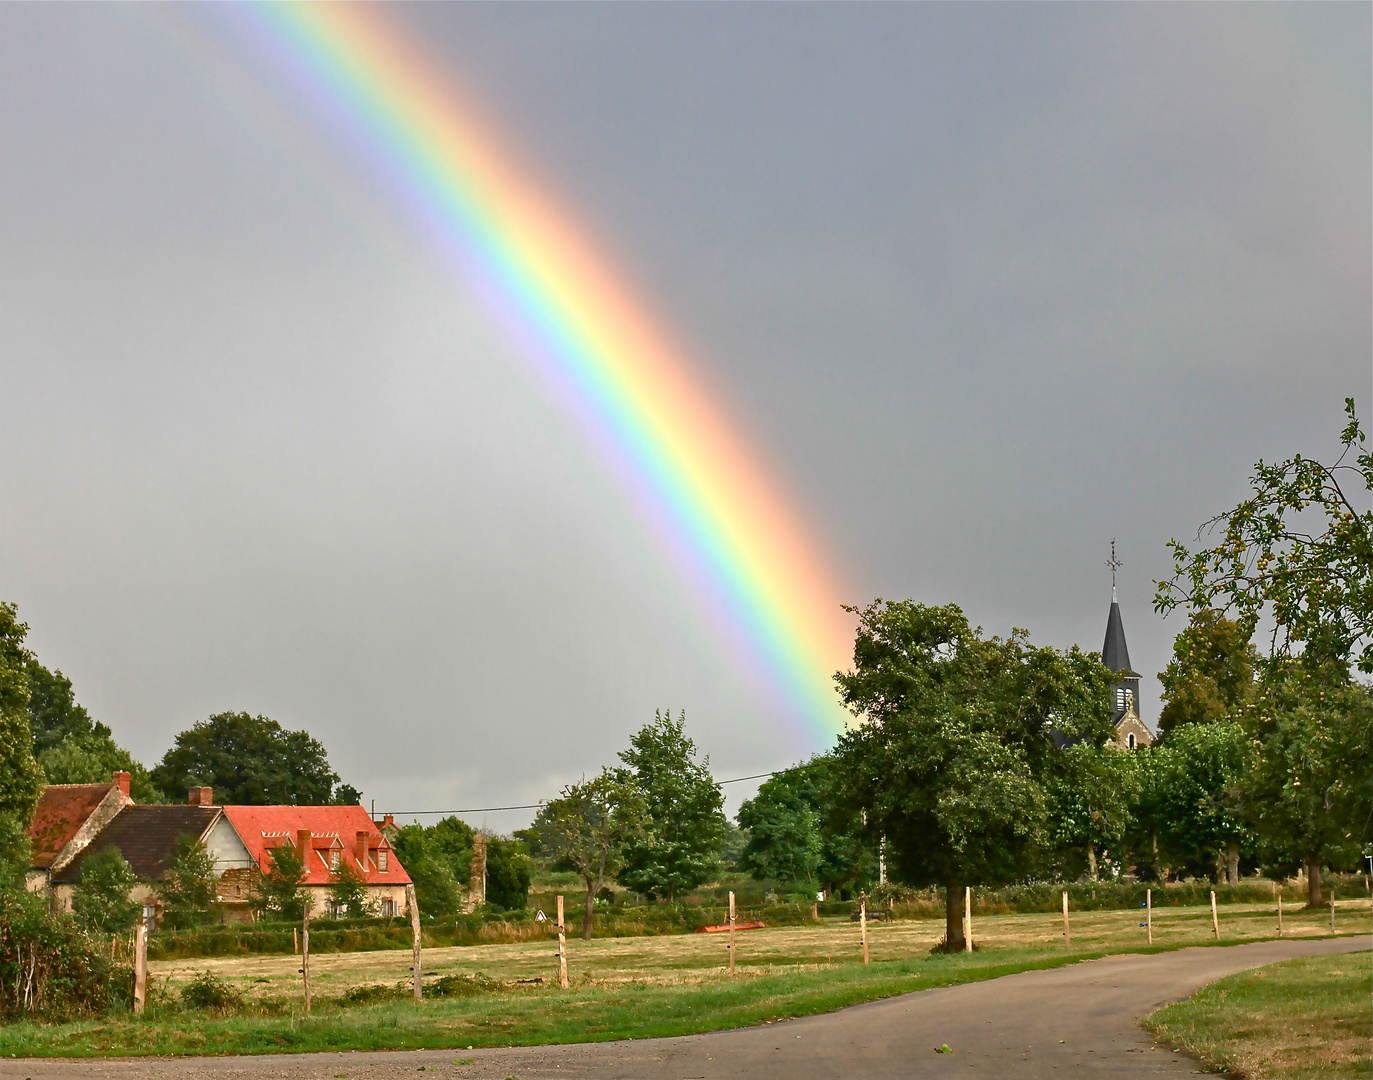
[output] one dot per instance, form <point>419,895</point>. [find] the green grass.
<point>1299,1019</point>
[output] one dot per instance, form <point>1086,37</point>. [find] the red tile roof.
<point>262,828</point>
<point>62,809</point>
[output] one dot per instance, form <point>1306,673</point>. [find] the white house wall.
<point>225,847</point>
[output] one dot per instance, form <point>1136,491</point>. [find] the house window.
<point>382,860</point>
<point>388,909</point>
<point>333,861</point>
<point>1130,740</point>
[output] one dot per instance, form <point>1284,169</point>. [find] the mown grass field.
<point>621,987</point>
<point>1300,1019</point>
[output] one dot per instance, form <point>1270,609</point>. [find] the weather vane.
<point>1115,564</point>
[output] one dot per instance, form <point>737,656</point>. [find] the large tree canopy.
<point>248,759</point>
<point>1299,550</point>
<point>680,846</point>
<point>956,752</point>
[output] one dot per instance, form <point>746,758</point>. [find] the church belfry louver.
<point>1115,654</point>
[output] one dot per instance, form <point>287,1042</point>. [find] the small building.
<point>327,838</point>
<point>66,819</point>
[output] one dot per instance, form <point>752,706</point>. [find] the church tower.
<point>1115,654</point>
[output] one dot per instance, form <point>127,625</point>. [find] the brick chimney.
<point>200,796</point>
<point>122,779</point>
<point>303,846</point>
<point>361,849</point>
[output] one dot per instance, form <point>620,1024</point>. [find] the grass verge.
<point>1300,1019</point>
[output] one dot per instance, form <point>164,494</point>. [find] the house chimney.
<point>200,796</point>
<point>122,779</point>
<point>389,821</point>
<point>303,846</point>
<point>362,850</point>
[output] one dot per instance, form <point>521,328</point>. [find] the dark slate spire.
<point>1114,653</point>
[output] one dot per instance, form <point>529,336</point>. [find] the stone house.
<point>66,819</point>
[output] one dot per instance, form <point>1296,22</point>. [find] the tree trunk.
<point>1091,861</point>
<point>1234,861</point>
<point>590,904</point>
<point>1313,884</point>
<point>953,917</point>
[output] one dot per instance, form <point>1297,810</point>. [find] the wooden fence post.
<point>1067,932</point>
<point>412,903</point>
<point>967,918</point>
<point>305,952</point>
<point>140,965</point>
<point>295,941</point>
<point>562,947</point>
<point>863,925</point>
<point>1332,911</point>
<point>1278,889</point>
<point>1149,913</point>
<point>1215,919</point>
<point>731,933</point>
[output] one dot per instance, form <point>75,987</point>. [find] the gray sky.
<point>987,286</point>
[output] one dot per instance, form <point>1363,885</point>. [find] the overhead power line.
<point>535,806</point>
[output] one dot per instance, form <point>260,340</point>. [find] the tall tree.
<point>783,822</point>
<point>957,750</point>
<point>1308,785</point>
<point>248,760</point>
<point>588,827</point>
<point>1211,673</point>
<point>1316,584</point>
<point>679,848</point>
<point>508,873</point>
<point>21,778</point>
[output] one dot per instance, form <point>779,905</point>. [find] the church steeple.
<point>1115,655</point>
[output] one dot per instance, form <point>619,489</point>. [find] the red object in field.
<point>723,928</point>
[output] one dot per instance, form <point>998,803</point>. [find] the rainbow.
<point>725,521</point>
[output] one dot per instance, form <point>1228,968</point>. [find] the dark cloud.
<point>987,286</point>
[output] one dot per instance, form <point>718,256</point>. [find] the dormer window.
<point>382,861</point>
<point>333,861</point>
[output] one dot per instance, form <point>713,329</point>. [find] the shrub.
<point>462,986</point>
<point>49,967</point>
<point>101,899</point>
<point>208,991</point>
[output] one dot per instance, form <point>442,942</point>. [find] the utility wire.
<point>535,806</point>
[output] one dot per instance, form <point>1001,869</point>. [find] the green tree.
<point>588,827</point>
<point>679,847</point>
<point>508,873</point>
<point>21,778</point>
<point>1092,793</point>
<point>191,888</point>
<point>279,890</point>
<point>783,823</point>
<point>436,888</point>
<point>1317,586</point>
<point>957,752</point>
<point>1211,673</point>
<point>1308,785</point>
<point>248,760</point>
<point>1193,805</point>
<point>101,900</point>
<point>348,892</point>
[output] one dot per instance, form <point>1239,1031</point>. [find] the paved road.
<point>1078,1021</point>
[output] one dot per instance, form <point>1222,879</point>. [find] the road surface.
<point>1079,1021</point>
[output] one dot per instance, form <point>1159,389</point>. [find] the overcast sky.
<point>986,285</point>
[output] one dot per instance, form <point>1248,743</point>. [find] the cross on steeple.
<point>1115,564</point>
